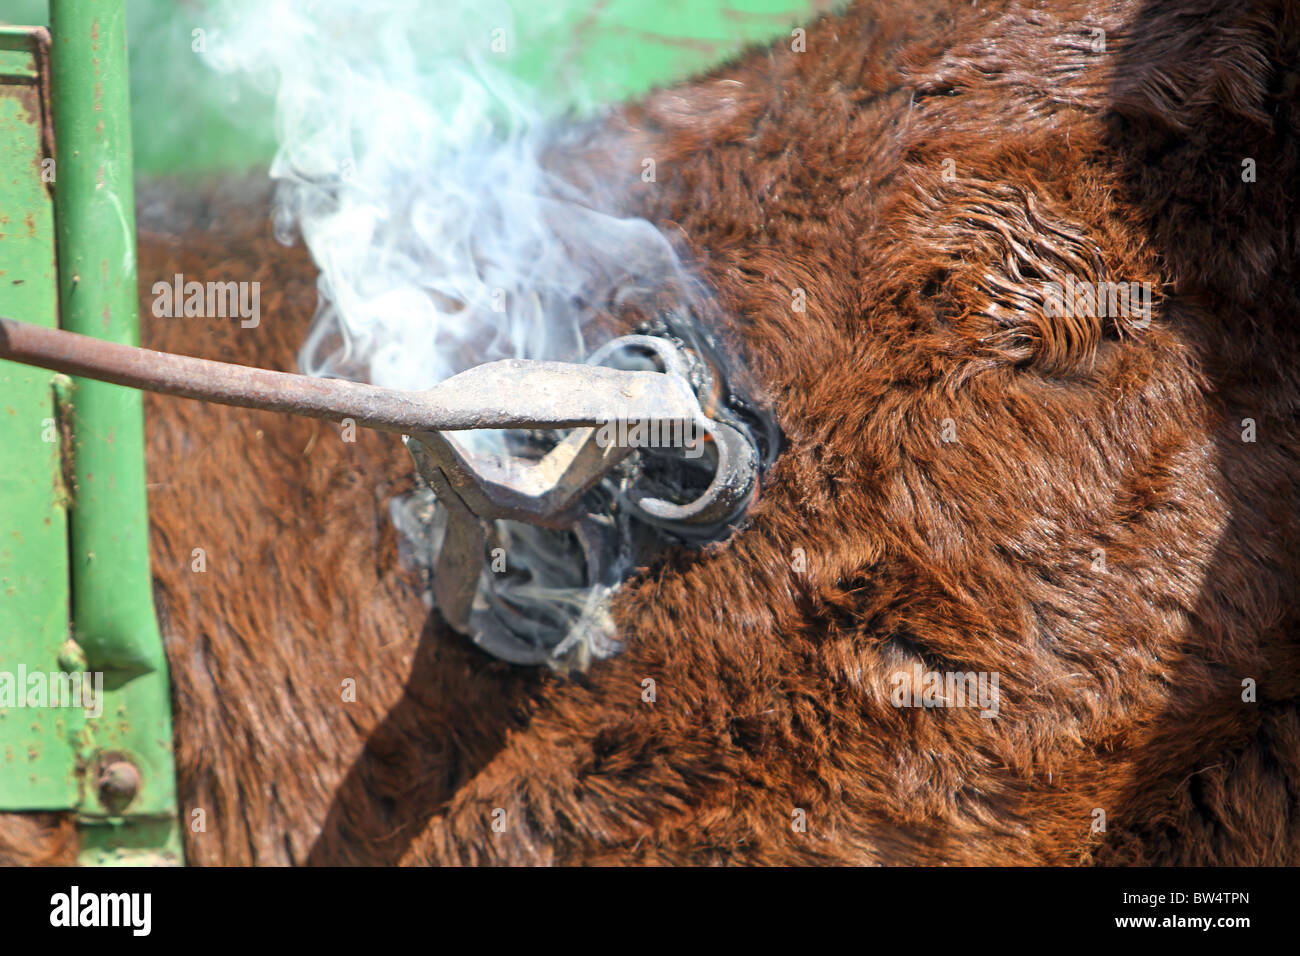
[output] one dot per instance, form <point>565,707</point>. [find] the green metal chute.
<point>111,763</point>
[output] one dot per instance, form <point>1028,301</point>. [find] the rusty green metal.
<point>112,595</point>
<point>39,743</point>
<point>83,680</point>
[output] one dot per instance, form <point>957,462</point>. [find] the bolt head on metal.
<point>118,784</point>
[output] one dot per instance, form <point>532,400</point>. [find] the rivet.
<point>119,782</point>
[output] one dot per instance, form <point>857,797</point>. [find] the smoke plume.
<point>418,184</point>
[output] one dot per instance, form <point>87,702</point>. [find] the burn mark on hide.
<point>544,593</point>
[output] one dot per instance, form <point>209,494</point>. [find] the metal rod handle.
<point>511,393</point>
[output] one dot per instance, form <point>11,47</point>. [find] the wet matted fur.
<point>875,544</point>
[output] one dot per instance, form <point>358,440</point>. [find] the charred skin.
<point>824,171</point>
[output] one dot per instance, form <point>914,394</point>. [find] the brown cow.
<point>1097,508</point>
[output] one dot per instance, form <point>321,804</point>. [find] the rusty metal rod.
<point>511,393</point>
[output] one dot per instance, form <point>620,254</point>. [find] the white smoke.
<point>417,183</point>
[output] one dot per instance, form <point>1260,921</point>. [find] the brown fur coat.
<point>1098,533</point>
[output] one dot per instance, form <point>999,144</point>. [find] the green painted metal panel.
<point>131,842</point>
<point>38,742</point>
<point>112,589</point>
<point>620,49</point>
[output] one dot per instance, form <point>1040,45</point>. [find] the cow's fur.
<point>1121,679</point>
